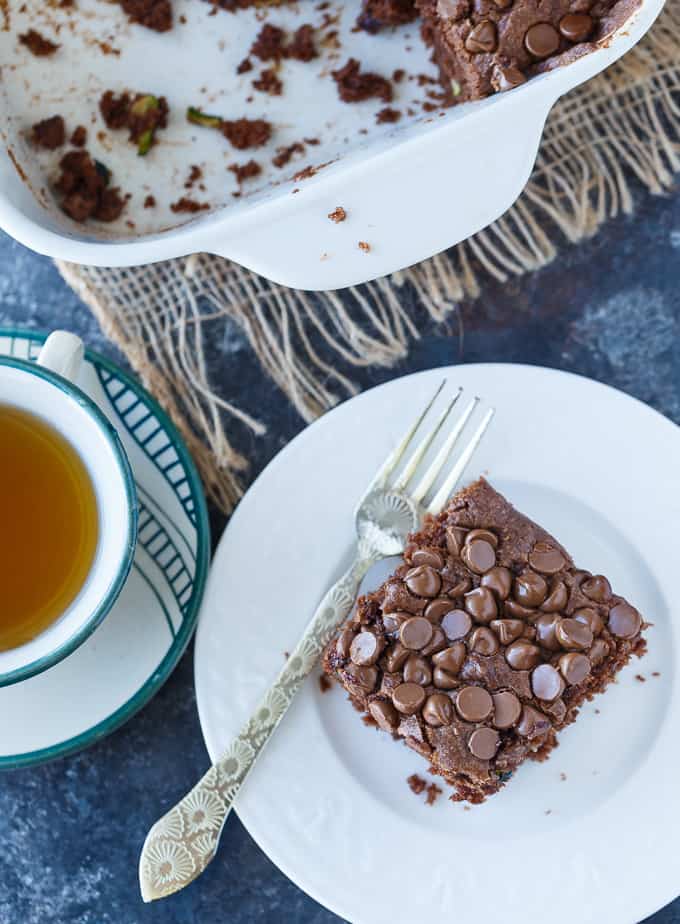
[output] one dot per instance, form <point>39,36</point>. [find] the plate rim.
<point>300,879</point>
<point>162,673</point>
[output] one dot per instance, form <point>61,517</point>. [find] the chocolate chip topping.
<point>415,633</point>
<point>417,670</point>
<point>479,555</point>
<point>597,588</point>
<point>507,630</point>
<point>363,676</point>
<point>394,621</point>
<point>430,557</point>
<point>575,667</point>
<point>557,599</point>
<point>600,649</point>
<point>481,604</point>
<point>533,723</point>
<point>423,581</point>
<point>455,539</point>
<point>384,714</point>
<point>590,618</point>
<point>573,634</point>
<point>484,534</point>
<point>624,621</point>
<point>483,641</point>
<point>499,580</point>
<point>344,641</point>
<point>408,698</point>
<point>546,682</point>
<point>437,608</point>
<point>506,709</point>
<point>522,656</point>
<point>545,627</point>
<point>474,704</point>
<point>365,648</point>
<point>542,40</point>
<point>450,659</point>
<point>545,558</point>
<point>506,77</point>
<point>576,27</point>
<point>482,38</point>
<point>456,624</point>
<point>443,680</point>
<point>436,643</point>
<point>438,710</point>
<point>484,742</point>
<point>530,589</point>
<point>396,657</point>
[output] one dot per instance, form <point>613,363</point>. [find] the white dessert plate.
<point>132,653</point>
<point>591,834</point>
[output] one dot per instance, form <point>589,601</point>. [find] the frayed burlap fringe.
<point>622,125</point>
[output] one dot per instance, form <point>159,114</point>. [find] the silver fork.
<point>181,844</point>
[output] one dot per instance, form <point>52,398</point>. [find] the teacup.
<point>46,390</point>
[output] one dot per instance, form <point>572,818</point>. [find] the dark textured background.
<point>70,831</point>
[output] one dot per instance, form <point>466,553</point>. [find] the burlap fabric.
<point>620,128</point>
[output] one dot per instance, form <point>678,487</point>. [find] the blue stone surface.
<point>71,830</point>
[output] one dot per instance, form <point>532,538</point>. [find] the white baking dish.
<point>409,191</point>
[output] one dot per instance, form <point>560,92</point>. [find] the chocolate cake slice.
<point>483,46</point>
<point>483,644</point>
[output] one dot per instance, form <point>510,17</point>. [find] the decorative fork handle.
<point>181,844</point>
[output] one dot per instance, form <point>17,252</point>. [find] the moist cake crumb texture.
<point>483,644</point>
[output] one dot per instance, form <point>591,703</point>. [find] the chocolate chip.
<point>385,714</point>
<point>483,743</point>
<point>396,657</point>
<point>576,27</point>
<point>599,651</point>
<point>533,723</point>
<point>507,630</point>
<point>574,666</point>
<point>499,580</point>
<point>546,682</point>
<point>430,557</point>
<point>423,581</point>
<point>415,633</point>
<point>408,698</point>
<point>545,557</point>
<point>484,534</point>
<point>474,703</point>
<point>573,634</point>
<point>483,641</point>
<point>530,589</point>
<point>541,41</point>
<point>344,641</point>
<point>450,659</point>
<point>364,676</point>
<point>556,709</point>
<point>522,655</point>
<point>459,588</point>
<point>437,608</point>
<point>545,627</point>
<point>515,610</point>
<point>479,555</point>
<point>481,605</point>
<point>482,38</point>
<point>508,77</point>
<point>365,648</point>
<point>392,622</point>
<point>417,670</point>
<point>456,624</point>
<point>597,588</point>
<point>436,643</point>
<point>438,710</point>
<point>557,599</point>
<point>624,621</point>
<point>443,679</point>
<point>506,709</point>
<point>591,618</point>
<point>455,539</point>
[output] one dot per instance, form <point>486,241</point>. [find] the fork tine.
<point>395,455</point>
<point>418,453</point>
<point>456,472</point>
<point>440,459</point>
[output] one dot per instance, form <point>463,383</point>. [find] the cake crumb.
<point>416,784</point>
<point>150,202</point>
<point>79,136</point>
<point>49,133</point>
<point>337,215</point>
<point>245,66</point>
<point>467,808</point>
<point>152,14</point>
<point>37,44</point>
<point>656,674</point>
<point>355,86</point>
<point>641,678</point>
<point>433,792</point>
<point>195,174</point>
<point>246,133</point>
<point>246,171</point>
<point>268,82</point>
<point>387,116</point>
<point>363,245</point>
<point>369,720</point>
<point>324,683</point>
<point>188,206</point>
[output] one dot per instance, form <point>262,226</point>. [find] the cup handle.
<point>63,353</point>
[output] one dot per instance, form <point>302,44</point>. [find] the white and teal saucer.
<point>130,655</point>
